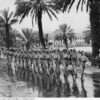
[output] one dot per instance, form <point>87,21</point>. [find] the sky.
<point>78,21</point>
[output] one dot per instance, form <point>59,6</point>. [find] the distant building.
<point>80,41</point>
<point>59,44</point>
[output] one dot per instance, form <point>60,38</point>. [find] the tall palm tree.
<point>6,21</point>
<point>36,8</point>
<point>94,6</point>
<point>65,33</point>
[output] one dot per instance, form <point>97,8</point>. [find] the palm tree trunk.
<point>28,46</point>
<point>66,43</point>
<point>7,36</point>
<point>40,28</point>
<point>65,39</point>
<point>95,27</point>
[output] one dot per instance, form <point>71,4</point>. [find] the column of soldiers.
<point>47,69</point>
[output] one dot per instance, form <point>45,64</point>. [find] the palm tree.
<point>2,37</point>
<point>58,35</point>
<point>94,6</point>
<point>65,33</point>
<point>36,8</point>
<point>87,35</point>
<point>6,21</point>
<point>15,36</point>
<point>28,38</point>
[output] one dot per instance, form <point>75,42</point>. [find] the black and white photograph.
<point>50,48</point>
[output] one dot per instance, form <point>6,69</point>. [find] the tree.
<point>58,36</point>
<point>94,6</point>
<point>95,27</point>
<point>2,37</point>
<point>28,38</point>
<point>15,36</point>
<point>87,35</point>
<point>36,8</point>
<point>64,33</point>
<point>6,21</point>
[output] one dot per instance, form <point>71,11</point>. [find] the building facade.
<point>59,44</point>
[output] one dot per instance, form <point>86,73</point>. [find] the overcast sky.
<point>78,21</point>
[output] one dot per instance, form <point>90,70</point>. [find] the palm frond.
<point>22,10</point>
<point>5,13</point>
<point>71,36</point>
<point>2,21</point>
<point>25,33</point>
<point>58,37</point>
<point>67,4</point>
<point>78,4</point>
<point>70,6</point>
<point>83,2</point>
<point>53,13</point>
<point>87,35</point>
<point>28,33</point>
<point>10,15</point>
<point>48,14</point>
<point>13,21</point>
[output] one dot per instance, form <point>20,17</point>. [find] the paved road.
<point>11,87</point>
